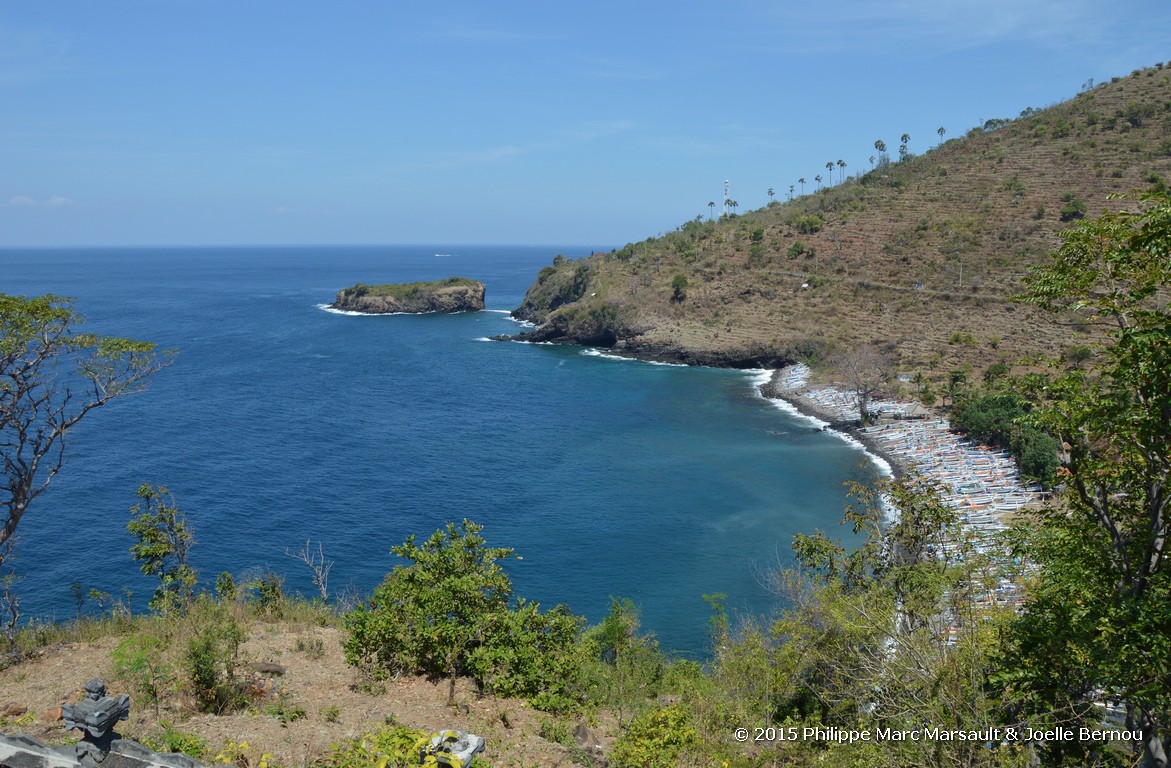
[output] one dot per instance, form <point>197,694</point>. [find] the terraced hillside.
<point>918,256</point>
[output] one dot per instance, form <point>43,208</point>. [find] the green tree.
<point>52,376</point>
<point>890,634</point>
<point>679,287</point>
<point>164,540</point>
<point>449,612</point>
<point>801,181</point>
<point>1097,626</point>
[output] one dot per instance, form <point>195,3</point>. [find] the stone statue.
<point>96,716</point>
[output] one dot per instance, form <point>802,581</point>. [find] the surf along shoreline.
<point>888,462</point>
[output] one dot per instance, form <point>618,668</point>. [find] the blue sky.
<point>142,122</point>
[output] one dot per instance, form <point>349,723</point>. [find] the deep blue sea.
<point>280,422</point>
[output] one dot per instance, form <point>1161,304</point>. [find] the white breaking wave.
<point>759,377</point>
<point>591,352</point>
<point>351,313</point>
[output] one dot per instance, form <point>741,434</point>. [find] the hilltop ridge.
<point>918,256</point>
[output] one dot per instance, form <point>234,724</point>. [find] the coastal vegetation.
<point>455,294</point>
<point>407,290</point>
<point>52,376</point>
<point>901,651</point>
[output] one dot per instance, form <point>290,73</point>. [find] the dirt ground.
<point>316,679</point>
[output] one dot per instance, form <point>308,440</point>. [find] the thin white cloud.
<point>489,34</point>
<point>443,161</point>
<point>28,55</point>
<point>929,26</point>
<point>592,130</point>
<point>620,69</point>
<point>52,201</point>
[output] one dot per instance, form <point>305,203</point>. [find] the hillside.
<point>917,256</point>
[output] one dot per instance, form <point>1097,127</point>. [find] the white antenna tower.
<point>726,197</point>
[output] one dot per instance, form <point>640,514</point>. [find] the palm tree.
<point>801,181</point>
<point>818,180</point>
<point>830,167</point>
<point>791,188</point>
<point>841,171</point>
<point>880,145</point>
<point>906,138</point>
<point>941,130</point>
<point>734,205</point>
<point>872,161</point>
<point>711,209</point>
<point>770,194</point>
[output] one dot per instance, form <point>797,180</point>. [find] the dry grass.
<point>910,254</point>
<point>317,680</point>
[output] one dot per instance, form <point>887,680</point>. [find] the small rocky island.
<point>455,294</point>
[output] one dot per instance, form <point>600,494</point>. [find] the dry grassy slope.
<point>314,682</point>
<point>911,253</point>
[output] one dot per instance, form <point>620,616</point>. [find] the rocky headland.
<point>919,256</point>
<point>455,294</point>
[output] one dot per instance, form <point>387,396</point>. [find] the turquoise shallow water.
<point>279,421</point>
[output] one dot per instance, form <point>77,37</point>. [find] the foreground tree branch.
<point>52,377</point>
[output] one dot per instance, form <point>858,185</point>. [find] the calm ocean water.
<point>279,422</point>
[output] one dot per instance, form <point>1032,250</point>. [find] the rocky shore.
<point>781,386</point>
<point>741,359</point>
<point>983,485</point>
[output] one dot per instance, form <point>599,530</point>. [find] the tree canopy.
<point>1098,627</point>
<point>449,612</point>
<point>51,376</point>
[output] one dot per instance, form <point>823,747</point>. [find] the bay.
<point>280,422</point>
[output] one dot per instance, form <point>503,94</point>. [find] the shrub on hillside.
<point>808,224</point>
<point>449,613</point>
<point>1000,420</point>
<point>210,658</point>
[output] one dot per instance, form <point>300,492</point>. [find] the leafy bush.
<point>209,659</point>
<point>138,660</point>
<point>285,712</point>
<point>658,738</point>
<point>164,539</point>
<point>270,595</point>
<point>1000,420</point>
<point>396,745</point>
<point>621,668</point>
<point>448,613</point>
<point>530,654</point>
<point>174,740</point>
<point>1074,209</point>
<point>808,224</point>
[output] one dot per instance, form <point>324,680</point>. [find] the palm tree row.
<point>881,158</point>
